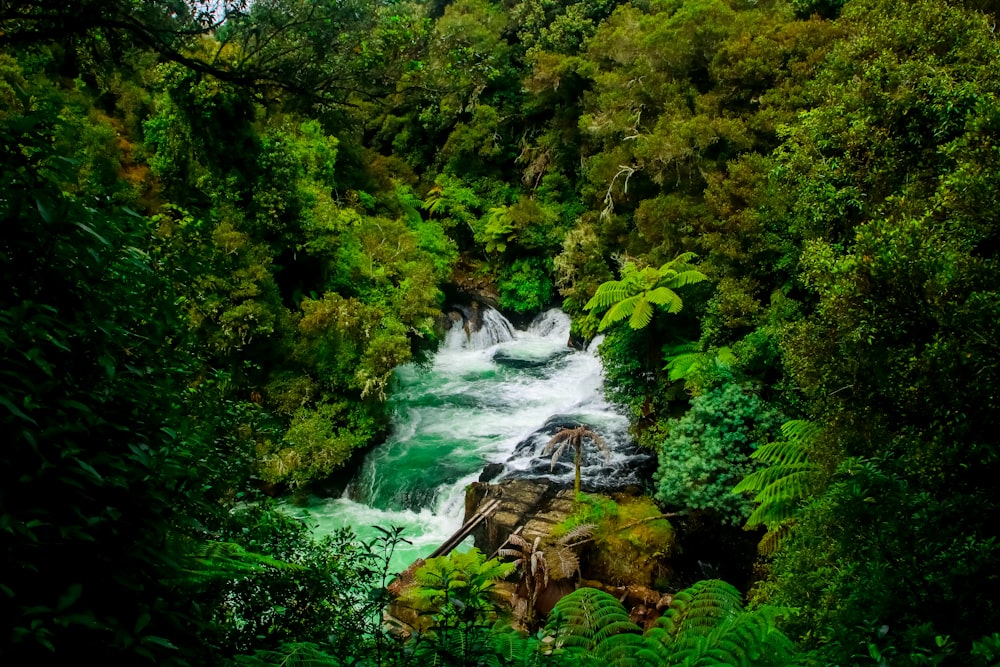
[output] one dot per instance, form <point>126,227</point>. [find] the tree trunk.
<point>579,462</point>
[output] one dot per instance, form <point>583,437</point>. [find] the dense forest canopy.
<point>228,222</point>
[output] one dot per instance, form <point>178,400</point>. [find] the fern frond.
<point>789,478</point>
<point>581,532</point>
<point>795,483</point>
<point>780,452</point>
<point>619,311</point>
<point>514,648</point>
<point>772,514</point>
<point>659,640</point>
<point>679,366</point>
<point>738,638</point>
<point>608,294</point>
<point>517,540</point>
<point>688,347</point>
<point>802,430</point>
<point>643,280</point>
<point>561,436</point>
<point>664,296</point>
<point>749,640</point>
<point>702,607</point>
<point>577,619</point>
<point>491,572</point>
<point>563,562</point>
<point>642,314</point>
<point>211,559</point>
<point>538,566</point>
<point>769,543</point>
<point>616,627</point>
<point>685,277</point>
<point>759,480</point>
<point>680,260</point>
<point>621,649</point>
<point>559,451</point>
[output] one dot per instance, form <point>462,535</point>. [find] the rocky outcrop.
<point>532,506</point>
<point>628,550</point>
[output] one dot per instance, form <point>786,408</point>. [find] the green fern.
<point>634,296</point>
<point>586,617</point>
<point>707,626</point>
<point>626,650</point>
<point>704,626</point>
<point>465,578</point>
<point>516,649</point>
<point>701,607</point>
<point>211,560</point>
<point>789,478</point>
<point>750,639</point>
<point>687,359</point>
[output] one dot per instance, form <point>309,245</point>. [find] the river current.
<point>495,396</point>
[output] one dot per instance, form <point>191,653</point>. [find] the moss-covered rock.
<point>631,542</point>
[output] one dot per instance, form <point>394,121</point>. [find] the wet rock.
<point>491,471</point>
<point>505,358</point>
<point>636,595</point>
<point>629,466</point>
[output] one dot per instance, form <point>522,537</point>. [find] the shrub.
<point>706,452</point>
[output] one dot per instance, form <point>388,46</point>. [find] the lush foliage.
<point>227,223</point>
<point>704,625</point>
<point>708,450</point>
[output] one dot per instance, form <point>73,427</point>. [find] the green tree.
<point>885,182</point>
<point>707,451</point>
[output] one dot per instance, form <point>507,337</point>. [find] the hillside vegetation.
<point>227,223</point>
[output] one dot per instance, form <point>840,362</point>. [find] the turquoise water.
<point>478,401</point>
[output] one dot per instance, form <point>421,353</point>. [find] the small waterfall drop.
<point>481,329</point>
<point>494,396</point>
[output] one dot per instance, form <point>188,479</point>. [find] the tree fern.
<point>789,478</point>
<point>634,296</point>
<point>574,436</point>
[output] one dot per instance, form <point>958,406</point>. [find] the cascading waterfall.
<point>493,329</point>
<point>495,395</point>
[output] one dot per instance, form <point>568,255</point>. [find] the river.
<point>496,396</point>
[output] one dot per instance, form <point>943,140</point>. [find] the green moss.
<point>631,540</point>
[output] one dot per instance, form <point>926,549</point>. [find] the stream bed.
<point>494,396</point>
